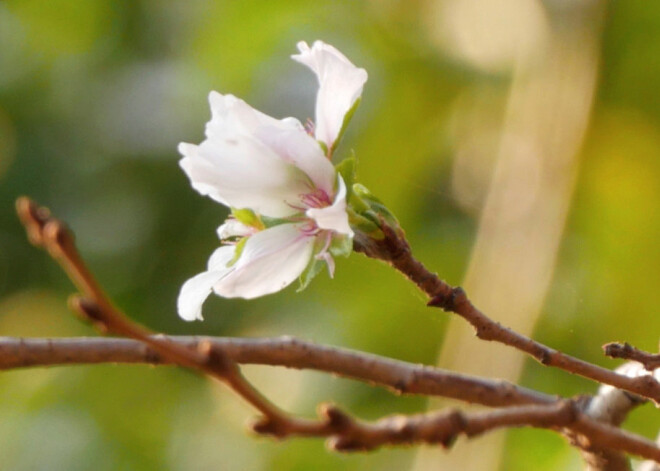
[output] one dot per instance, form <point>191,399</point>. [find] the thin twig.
<point>650,361</point>
<point>445,426</point>
<point>394,249</point>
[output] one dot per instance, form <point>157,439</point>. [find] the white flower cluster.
<point>288,201</point>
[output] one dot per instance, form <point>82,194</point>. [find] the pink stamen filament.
<point>310,127</point>
<point>325,255</point>
<point>309,228</point>
<point>317,199</point>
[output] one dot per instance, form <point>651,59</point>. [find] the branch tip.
<point>650,361</point>
<point>33,217</point>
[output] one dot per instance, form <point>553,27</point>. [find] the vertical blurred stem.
<point>524,213</point>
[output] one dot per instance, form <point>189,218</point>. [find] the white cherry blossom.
<point>282,176</point>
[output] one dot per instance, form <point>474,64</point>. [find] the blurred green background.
<point>95,96</point>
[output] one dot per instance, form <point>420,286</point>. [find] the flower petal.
<point>300,149</point>
<point>287,138</point>
<point>270,261</point>
<point>195,291</point>
<point>231,115</point>
<point>334,217</point>
<point>241,172</point>
<point>250,160</point>
<point>340,85</point>
<point>220,258</point>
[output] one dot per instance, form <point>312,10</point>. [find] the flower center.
<point>316,199</point>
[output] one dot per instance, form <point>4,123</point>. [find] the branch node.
<point>88,311</point>
<point>56,237</point>
<point>568,411</point>
<point>450,300</point>
<point>401,386</point>
<point>544,357</point>
<point>456,423</point>
<point>334,418</point>
<point>267,426</point>
<point>346,444</point>
<point>216,358</point>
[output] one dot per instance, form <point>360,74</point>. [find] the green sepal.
<point>313,268</point>
<point>341,246</point>
<point>363,223</point>
<point>375,205</point>
<point>358,204</point>
<point>363,192</point>
<point>324,147</point>
<point>346,169</point>
<point>247,217</point>
<point>344,124</point>
<point>240,245</point>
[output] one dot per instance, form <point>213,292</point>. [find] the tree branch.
<point>395,375</point>
<point>596,439</point>
<point>347,433</point>
<point>395,250</point>
<point>445,426</point>
<point>45,231</point>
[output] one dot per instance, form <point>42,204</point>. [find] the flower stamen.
<point>310,127</point>
<point>317,199</point>
<point>309,228</point>
<point>325,255</point>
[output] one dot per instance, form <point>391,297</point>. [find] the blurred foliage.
<point>95,96</point>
